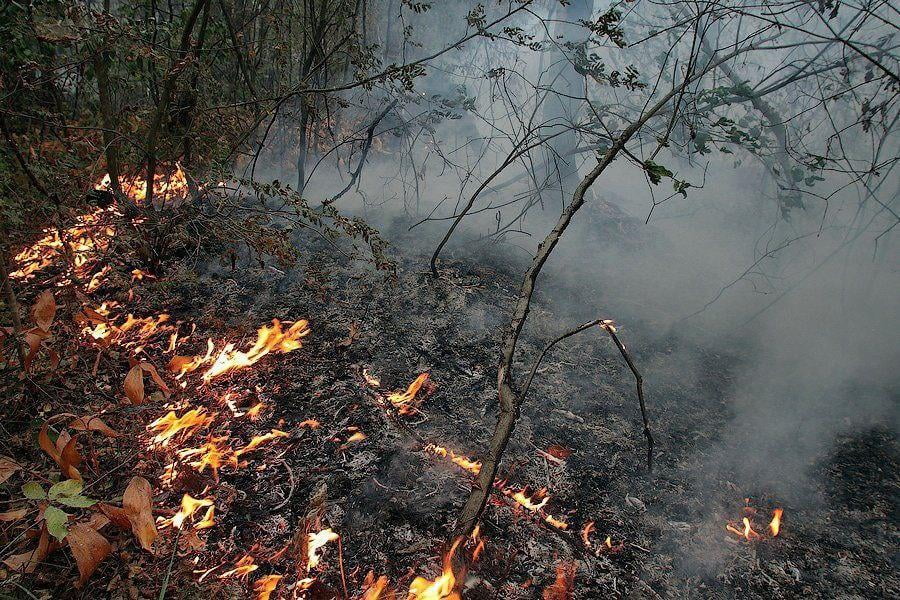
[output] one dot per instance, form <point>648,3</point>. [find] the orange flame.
<point>471,466</point>
<point>405,402</point>
<point>264,586</point>
<point>257,441</point>
<point>211,455</point>
<point>168,426</point>
<point>166,188</point>
<point>533,502</point>
<point>269,339</point>
<point>586,533</point>
<point>775,523</point>
<point>747,532</point>
<point>442,588</point>
<point>241,569</point>
<point>375,588</point>
<point>189,505</point>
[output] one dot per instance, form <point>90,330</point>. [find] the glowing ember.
<point>170,425</point>
<point>471,466</point>
<point>166,188</point>
<point>405,402</point>
<point>316,542</point>
<point>189,505</point>
<point>241,569</point>
<point>442,588</point>
<point>269,339</point>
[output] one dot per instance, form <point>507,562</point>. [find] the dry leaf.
<point>33,338</point>
<point>27,561</point>
<point>134,385</point>
<point>91,423</point>
<point>118,516</point>
<point>138,505</point>
<point>559,451</point>
<point>7,467</point>
<point>14,515</point>
<point>66,457</point>
<point>89,548</point>
<point>44,310</point>
<point>156,378</point>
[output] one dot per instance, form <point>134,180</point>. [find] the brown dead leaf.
<point>138,505</point>
<point>92,423</point>
<point>64,453</point>
<point>44,310</point>
<point>26,562</point>
<point>89,548</point>
<point>33,338</point>
<point>118,516</point>
<point>134,385</point>
<point>14,515</point>
<point>7,468</point>
<point>154,374</point>
<point>178,363</point>
<point>558,451</point>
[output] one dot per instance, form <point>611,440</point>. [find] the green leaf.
<point>33,491</point>
<point>656,172</point>
<point>69,487</point>
<point>76,501</point>
<point>56,522</point>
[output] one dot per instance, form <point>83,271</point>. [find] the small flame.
<point>442,588</point>
<point>166,188</point>
<point>775,523</point>
<point>586,533</point>
<point>471,466</point>
<point>241,569</point>
<point>533,502</point>
<point>269,339</point>
<point>374,588</point>
<point>316,542</point>
<point>170,425</point>
<point>371,379</point>
<point>211,455</point>
<point>405,402</point>
<point>259,440</point>
<point>189,505</point>
<point>264,586</point>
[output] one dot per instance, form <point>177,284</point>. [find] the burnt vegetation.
<point>384,299</point>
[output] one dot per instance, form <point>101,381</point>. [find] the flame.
<point>269,339</point>
<point>371,379</point>
<point>257,441</point>
<point>747,533</point>
<point>356,437</point>
<point>107,333</point>
<point>315,543</point>
<point>211,455</point>
<point>775,523</point>
<point>533,502</point>
<point>264,586</point>
<point>471,466</point>
<point>553,521</point>
<point>168,426</point>
<point>166,188</point>
<point>83,239</point>
<point>405,402</point>
<point>374,588</point>
<point>241,569</point>
<point>586,533</point>
<point>442,588</point>
<point>208,520</point>
<point>189,505</point>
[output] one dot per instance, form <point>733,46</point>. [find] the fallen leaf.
<point>7,468</point>
<point>56,520</point>
<point>92,423</point>
<point>26,562</point>
<point>134,384</point>
<point>33,337</point>
<point>138,505</point>
<point>89,548</point>
<point>14,515</point>
<point>117,515</point>
<point>156,378</point>
<point>44,310</point>
<point>635,503</point>
<point>559,451</point>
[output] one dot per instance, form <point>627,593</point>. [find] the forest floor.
<point>344,460</point>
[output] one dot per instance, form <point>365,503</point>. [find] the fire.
<point>371,379</point>
<point>533,502</point>
<point>211,455</point>
<point>264,586</point>
<point>168,426</point>
<point>269,339</point>
<point>107,333</point>
<point>471,466</point>
<point>745,528</point>
<point>257,441</point>
<point>166,188</point>
<point>405,402</point>
<point>315,543</point>
<point>375,588</point>
<point>442,588</point>
<point>189,505</point>
<point>82,239</point>
<point>775,523</point>
<point>586,533</point>
<point>241,569</point>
